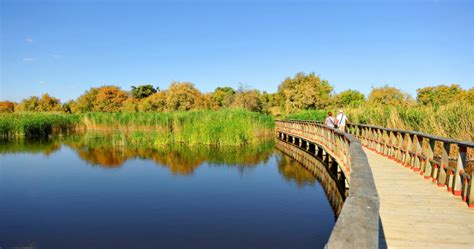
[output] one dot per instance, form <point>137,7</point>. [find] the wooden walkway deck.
<point>415,213</point>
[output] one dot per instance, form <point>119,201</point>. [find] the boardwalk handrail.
<point>358,223</point>
<point>447,162</point>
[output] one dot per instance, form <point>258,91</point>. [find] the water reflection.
<point>315,169</point>
<point>112,150</point>
<point>135,202</point>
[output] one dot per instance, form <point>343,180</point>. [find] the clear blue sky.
<point>66,47</point>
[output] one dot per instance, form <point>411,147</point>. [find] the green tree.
<point>222,97</point>
<point>29,105</point>
<point>143,91</point>
<point>85,102</point>
<point>48,104</point>
<point>438,95</point>
<point>349,98</point>
<point>67,107</point>
<point>390,96</point>
<point>304,92</point>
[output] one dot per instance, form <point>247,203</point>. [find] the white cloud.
<point>28,59</point>
<point>28,40</point>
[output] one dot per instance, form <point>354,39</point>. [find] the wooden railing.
<point>358,223</point>
<point>447,162</point>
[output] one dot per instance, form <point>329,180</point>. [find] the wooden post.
<point>429,157</point>
<point>460,162</point>
<point>406,154</point>
<point>444,165</point>
<point>416,154</point>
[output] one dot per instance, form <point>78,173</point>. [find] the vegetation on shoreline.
<point>186,115</point>
<point>223,127</point>
<point>454,120</point>
<point>36,125</point>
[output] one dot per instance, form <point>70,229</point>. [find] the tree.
<point>438,95</point>
<point>85,102</point>
<point>29,105</point>
<point>184,96</point>
<point>387,95</point>
<point>67,107</point>
<point>349,98</point>
<point>100,99</point>
<point>109,99</point>
<point>304,92</point>
<point>7,106</point>
<point>143,91</point>
<point>468,96</point>
<point>153,103</point>
<point>48,104</point>
<point>248,99</point>
<point>130,105</point>
<point>222,97</point>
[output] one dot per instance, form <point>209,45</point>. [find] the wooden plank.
<point>415,213</point>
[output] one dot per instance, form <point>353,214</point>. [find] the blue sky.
<point>66,47</point>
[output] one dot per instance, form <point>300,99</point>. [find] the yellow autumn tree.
<point>184,96</point>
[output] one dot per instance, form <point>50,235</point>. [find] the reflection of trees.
<point>46,146</point>
<point>296,158</point>
<point>112,150</point>
<point>292,171</point>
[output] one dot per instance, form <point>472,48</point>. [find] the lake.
<point>116,191</point>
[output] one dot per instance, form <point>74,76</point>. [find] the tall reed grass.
<point>455,120</point>
<point>317,115</point>
<point>38,125</point>
<point>223,127</point>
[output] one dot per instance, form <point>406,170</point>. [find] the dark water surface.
<point>102,192</point>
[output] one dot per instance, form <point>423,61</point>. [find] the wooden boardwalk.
<point>415,213</point>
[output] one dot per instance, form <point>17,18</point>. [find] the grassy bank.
<point>454,120</point>
<point>223,127</point>
<point>36,125</point>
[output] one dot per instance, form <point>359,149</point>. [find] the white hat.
<point>340,110</point>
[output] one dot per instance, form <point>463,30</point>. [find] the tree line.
<point>300,92</point>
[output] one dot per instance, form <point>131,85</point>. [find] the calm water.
<point>102,192</point>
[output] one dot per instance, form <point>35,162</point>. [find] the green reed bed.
<point>316,115</point>
<point>36,124</point>
<point>223,127</point>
